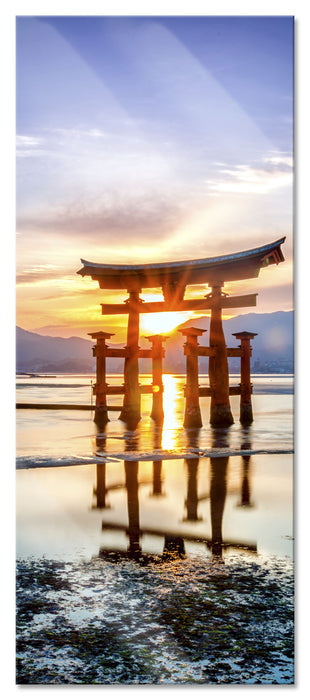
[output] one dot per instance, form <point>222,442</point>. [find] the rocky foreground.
<point>176,621</point>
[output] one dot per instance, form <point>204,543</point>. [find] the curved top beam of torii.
<point>217,270</point>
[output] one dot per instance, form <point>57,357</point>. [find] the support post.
<point>100,388</point>
<point>218,491</point>
<point>192,500</point>
<point>220,415</point>
<point>100,490</point>
<point>192,417</point>
<point>133,531</point>
<point>218,488</point>
<point>131,411</point>
<point>246,413</point>
<point>157,465</point>
<point>157,376</point>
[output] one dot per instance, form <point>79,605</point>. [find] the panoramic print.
<point>154,350</point>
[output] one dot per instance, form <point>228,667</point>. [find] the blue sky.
<point>143,138</point>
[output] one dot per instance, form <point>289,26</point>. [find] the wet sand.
<point>155,556</point>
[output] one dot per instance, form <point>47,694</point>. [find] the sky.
<point>148,139</point>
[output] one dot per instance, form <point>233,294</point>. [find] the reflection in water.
<point>172,419</point>
<point>157,479</point>
<point>245,488</point>
<point>245,501</point>
<point>157,465</point>
<point>192,499</point>
<point>180,612</point>
<point>133,531</point>
<point>174,540</point>
<point>132,486</point>
<point>174,547</point>
<point>100,490</point>
<point>218,489</point>
<point>217,502</point>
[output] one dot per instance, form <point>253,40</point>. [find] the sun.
<point>163,322</point>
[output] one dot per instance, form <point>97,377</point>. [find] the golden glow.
<point>163,322</point>
<point>172,408</point>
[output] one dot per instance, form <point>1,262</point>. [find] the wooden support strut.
<point>131,411</point>
<point>176,304</point>
<point>100,388</point>
<point>192,417</point>
<point>220,413</point>
<point>246,413</point>
<point>157,354</point>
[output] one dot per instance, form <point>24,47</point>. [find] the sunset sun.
<point>164,322</point>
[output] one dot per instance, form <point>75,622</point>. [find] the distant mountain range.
<point>273,347</point>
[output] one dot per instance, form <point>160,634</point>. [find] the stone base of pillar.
<point>246,413</point>
<point>101,416</point>
<point>157,414</point>
<point>192,418</point>
<point>158,418</point>
<point>130,416</point>
<point>221,416</point>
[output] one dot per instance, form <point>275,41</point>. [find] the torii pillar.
<point>131,411</point>
<point>101,386</point>
<point>192,418</point>
<point>220,413</point>
<point>157,376</point>
<point>246,413</point>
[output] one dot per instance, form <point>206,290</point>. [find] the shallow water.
<point>60,434</point>
<point>77,511</point>
<point>184,507</point>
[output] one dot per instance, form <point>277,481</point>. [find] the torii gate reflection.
<point>174,541</point>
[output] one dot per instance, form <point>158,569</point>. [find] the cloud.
<point>29,146</point>
<point>38,276</point>
<point>30,141</point>
<point>273,172</point>
<point>78,133</point>
<point>101,183</point>
<point>126,215</point>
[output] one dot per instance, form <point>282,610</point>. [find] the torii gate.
<point>173,278</point>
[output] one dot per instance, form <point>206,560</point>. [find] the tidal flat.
<point>153,558</point>
<point>155,620</point>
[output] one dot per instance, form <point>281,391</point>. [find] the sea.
<point>143,525</point>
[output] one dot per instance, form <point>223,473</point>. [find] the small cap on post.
<point>157,336</point>
<point>246,335</point>
<point>191,331</point>
<point>100,335</point>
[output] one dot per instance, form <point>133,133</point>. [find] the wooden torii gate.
<point>173,278</point>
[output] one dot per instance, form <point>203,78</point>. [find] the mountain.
<point>38,353</point>
<point>273,347</point>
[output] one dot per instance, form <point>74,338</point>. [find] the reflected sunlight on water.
<point>212,506</point>
<point>250,497</point>
<point>61,433</point>
<point>162,522</point>
<point>172,411</point>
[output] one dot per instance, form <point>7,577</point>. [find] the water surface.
<point>158,555</point>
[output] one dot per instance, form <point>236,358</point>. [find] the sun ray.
<point>163,322</point>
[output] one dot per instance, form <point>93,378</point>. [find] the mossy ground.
<point>190,621</point>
